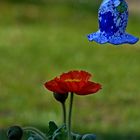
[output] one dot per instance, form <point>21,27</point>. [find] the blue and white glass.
<point>113,18</point>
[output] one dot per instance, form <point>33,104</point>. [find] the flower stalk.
<point>64,112</point>
<point>69,117</point>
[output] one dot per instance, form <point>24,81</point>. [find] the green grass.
<point>38,43</point>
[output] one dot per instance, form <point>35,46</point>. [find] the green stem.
<point>69,118</point>
<point>64,112</point>
<point>36,131</point>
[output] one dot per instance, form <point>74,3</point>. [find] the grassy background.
<point>39,42</point>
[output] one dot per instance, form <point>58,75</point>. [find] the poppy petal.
<point>53,86</point>
<point>81,75</point>
<point>89,88</point>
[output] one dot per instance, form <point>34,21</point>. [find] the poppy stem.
<point>69,117</point>
<point>64,112</point>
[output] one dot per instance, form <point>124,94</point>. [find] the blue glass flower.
<point>113,18</point>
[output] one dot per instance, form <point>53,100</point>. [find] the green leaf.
<point>52,128</point>
<point>89,137</point>
<point>57,133</point>
<point>34,137</point>
<point>60,136</point>
<point>76,136</point>
<point>60,133</point>
<point>30,138</point>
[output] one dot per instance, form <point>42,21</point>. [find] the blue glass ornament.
<point>113,18</point>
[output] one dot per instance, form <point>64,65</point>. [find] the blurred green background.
<point>40,39</point>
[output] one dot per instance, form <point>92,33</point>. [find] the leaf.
<point>60,133</point>
<point>76,136</point>
<point>89,137</point>
<point>61,129</point>
<point>30,138</point>
<point>59,136</point>
<point>34,137</point>
<point>52,128</point>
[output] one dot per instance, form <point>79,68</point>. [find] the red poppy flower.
<point>73,81</point>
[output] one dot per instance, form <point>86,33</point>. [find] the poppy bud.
<point>60,97</point>
<point>14,133</point>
